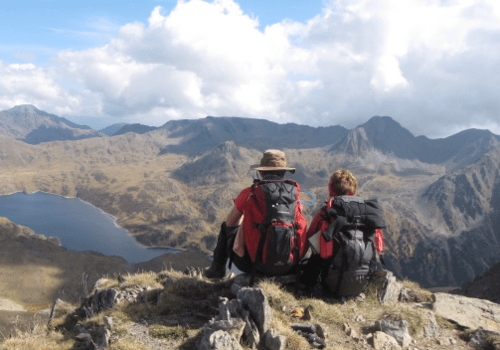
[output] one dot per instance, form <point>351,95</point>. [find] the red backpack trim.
<point>262,217</point>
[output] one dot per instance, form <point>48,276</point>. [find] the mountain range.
<point>173,185</point>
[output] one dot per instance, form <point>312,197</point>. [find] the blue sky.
<point>432,65</point>
<point>36,30</point>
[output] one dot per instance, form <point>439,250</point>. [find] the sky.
<point>432,65</point>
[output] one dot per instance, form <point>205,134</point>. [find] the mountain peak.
<point>383,134</point>
<point>384,124</point>
<point>26,108</point>
<point>31,125</point>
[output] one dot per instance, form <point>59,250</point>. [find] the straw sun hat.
<point>273,159</point>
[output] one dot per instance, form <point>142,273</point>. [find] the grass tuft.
<point>163,332</point>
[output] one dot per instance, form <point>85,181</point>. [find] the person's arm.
<point>315,224</point>
<point>234,218</point>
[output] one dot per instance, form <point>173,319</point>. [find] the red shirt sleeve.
<point>315,224</point>
<point>379,240</point>
<point>241,200</point>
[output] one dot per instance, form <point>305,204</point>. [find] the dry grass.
<point>128,343</point>
<point>185,299</point>
<point>163,332</point>
<point>184,294</point>
<point>39,338</point>
<point>134,279</point>
<point>28,290</point>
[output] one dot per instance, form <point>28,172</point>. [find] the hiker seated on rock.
<point>265,232</point>
<point>346,238</point>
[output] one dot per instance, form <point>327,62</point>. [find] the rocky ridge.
<point>172,310</point>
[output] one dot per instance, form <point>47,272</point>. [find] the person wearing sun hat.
<point>231,239</point>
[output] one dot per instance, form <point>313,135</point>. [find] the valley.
<point>173,186</point>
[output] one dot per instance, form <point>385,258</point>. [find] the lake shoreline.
<point>115,219</point>
<point>79,228</point>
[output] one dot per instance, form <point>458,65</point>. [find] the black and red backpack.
<point>275,229</point>
<point>347,244</point>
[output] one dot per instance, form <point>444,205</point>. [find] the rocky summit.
<point>174,185</point>
<point>175,310</point>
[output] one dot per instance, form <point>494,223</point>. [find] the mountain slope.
<point>458,150</point>
<point>111,129</point>
<point>137,128</point>
<point>383,134</point>
<point>33,126</point>
<point>49,271</point>
<point>196,136</point>
<point>224,163</point>
<point>171,187</point>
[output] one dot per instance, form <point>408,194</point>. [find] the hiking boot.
<point>215,271</point>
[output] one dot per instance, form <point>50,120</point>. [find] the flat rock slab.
<point>10,305</point>
<point>468,312</point>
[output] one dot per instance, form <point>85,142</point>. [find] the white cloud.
<point>28,84</point>
<point>25,56</point>
<point>429,64</point>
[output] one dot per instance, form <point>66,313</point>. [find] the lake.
<point>78,225</point>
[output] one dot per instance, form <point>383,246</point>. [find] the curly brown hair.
<point>342,182</point>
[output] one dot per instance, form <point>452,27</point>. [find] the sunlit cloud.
<point>429,64</point>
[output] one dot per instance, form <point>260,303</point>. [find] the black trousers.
<point>224,249</point>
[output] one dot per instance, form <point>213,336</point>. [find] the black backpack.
<point>348,270</point>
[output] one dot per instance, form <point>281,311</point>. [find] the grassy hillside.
<point>34,271</point>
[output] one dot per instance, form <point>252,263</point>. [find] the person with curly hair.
<point>346,228</point>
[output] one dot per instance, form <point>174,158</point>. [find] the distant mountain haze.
<point>175,184</point>
<point>196,136</point>
<point>31,125</point>
<point>111,129</point>
<point>137,128</point>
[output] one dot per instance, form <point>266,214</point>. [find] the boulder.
<point>233,308</point>
<point>103,338</point>
<point>431,327</point>
<point>233,327</point>
<point>468,312</point>
<point>398,329</point>
<point>232,319</point>
<point>108,322</point>
<point>99,301</point>
<point>274,341</point>
<point>219,340</point>
<point>383,341</point>
<point>251,336</point>
<point>85,340</point>
<point>389,289</point>
<point>479,337</point>
<point>255,301</point>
